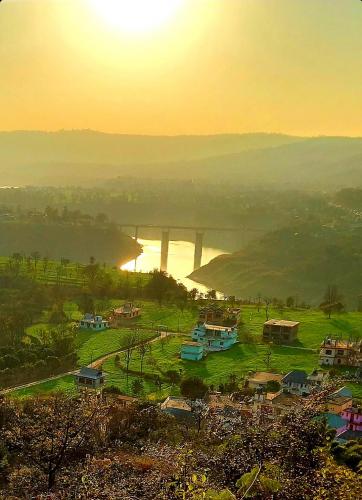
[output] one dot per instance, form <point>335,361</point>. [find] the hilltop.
<point>66,157</point>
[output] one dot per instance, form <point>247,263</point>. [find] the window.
<point>221,343</point>
<point>339,361</point>
<point>340,352</point>
<point>328,352</point>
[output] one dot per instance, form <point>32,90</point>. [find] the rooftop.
<point>261,377</point>
<point>334,421</point>
<point>282,322</point>
<point>283,398</point>
<point>198,344</point>
<point>342,392</point>
<point>175,404</point>
<point>219,328</point>
<point>338,343</point>
<point>92,373</point>
<point>296,377</point>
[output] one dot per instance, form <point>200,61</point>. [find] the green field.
<point>64,384</point>
<point>249,354</point>
<point>314,325</point>
<point>54,272</point>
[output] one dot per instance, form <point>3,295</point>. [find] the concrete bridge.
<point>165,238</point>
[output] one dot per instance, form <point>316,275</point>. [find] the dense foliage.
<point>95,447</point>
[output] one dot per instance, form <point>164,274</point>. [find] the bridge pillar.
<point>164,250</point>
<point>198,250</point>
<point>136,240</point>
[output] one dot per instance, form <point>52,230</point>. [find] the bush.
<point>193,388</point>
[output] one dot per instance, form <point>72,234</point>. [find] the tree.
<point>258,297</point>
<point>290,302</point>
<point>199,410</point>
<point>267,302</point>
<point>332,301</point>
<point>267,359</point>
<point>36,257</point>
<point>51,430</point>
<point>193,388</point>
<point>143,349</point>
<point>137,386</point>
<point>211,295</point>
<point>173,376</point>
<point>272,386</point>
<point>128,344</point>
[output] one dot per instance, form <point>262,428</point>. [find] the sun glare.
<point>137,16</point>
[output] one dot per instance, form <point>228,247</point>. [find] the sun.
<point>137,16</point>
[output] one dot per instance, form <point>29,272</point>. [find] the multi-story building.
<point>353,417</point>
<point>280,331</point>
<point>340,352</point>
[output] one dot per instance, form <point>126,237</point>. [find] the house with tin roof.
<point>90,378</point>
<point>296,382</point>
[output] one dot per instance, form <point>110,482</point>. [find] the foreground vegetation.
<point>95,447</point>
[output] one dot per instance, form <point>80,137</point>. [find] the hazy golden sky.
<point>292,66</point>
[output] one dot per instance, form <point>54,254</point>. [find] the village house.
<point>193,351</point>
<point>126,312</point>
<point>261,379</point>
<point>280,331</point>
<point>273,405</point>
<point>215,315</point>
<point>353,418</point>
<point>335,422</point>
<point>318,377</point>
<point>90,378</point>
<point>215,337</point>
<point>296,382</point>
<point>340,352</point>
<point>339,401</point>
<point>211,314</point>
<point>94,323</point>
<point>222,404</point>
<point>178,408</point>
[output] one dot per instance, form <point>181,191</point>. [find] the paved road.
<point>98,362</point>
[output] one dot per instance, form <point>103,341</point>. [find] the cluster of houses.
<point>216,330</point>
<point>118,316</point>
<point>339,411</point>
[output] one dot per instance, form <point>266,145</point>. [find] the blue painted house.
<point>215,337</point>
<point>193,351</point>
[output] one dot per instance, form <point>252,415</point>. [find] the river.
<point>180,260</point>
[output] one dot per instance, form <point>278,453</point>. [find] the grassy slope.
<point>217,366</point>
<point>72,274</point>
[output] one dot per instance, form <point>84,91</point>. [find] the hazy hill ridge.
<point>83,157</point>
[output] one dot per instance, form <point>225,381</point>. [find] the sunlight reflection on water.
<point>180,260</point>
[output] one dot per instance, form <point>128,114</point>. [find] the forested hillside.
<point>298,260</point>
<point>74,242</point>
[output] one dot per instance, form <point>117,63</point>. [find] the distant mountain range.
<point>87,157</point>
